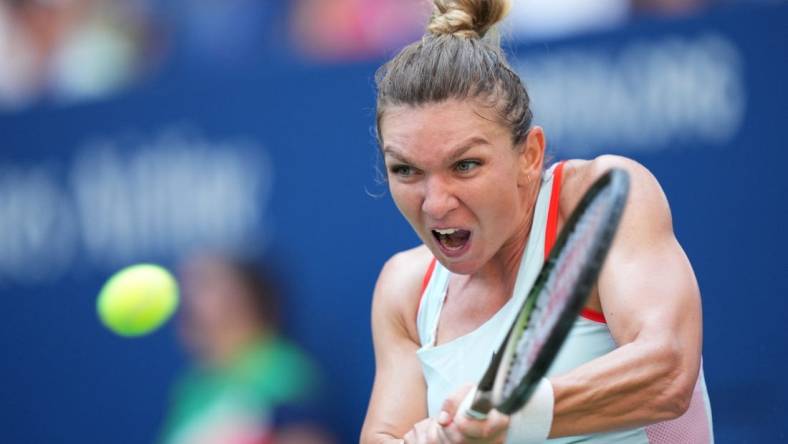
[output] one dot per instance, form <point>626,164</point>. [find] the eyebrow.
<point>455,154</point>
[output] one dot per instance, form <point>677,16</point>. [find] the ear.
<point>531,156</point>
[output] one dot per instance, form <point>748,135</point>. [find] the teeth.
<point>446,231</point>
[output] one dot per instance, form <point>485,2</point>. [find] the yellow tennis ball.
<point>137,300</point>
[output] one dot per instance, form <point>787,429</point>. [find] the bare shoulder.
<point>398,289</point>
<point>647,217</point>
<point>580,174</point>
<point>646,195</point>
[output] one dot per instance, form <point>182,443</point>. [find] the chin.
<point>460,266</point>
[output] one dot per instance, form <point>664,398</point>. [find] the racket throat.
<point>481,401</point>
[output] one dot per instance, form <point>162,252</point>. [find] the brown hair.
<point>454,60</point>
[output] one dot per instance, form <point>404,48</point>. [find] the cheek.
<point>497,201</point>
<point>406,199</point>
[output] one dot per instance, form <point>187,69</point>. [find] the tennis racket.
<point>555,300</point>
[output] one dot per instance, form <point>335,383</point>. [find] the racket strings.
<point>556,291</point>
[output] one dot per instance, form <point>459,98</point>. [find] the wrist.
<point>532,423</point>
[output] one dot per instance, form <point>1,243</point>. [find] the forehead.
<point>439,125</point>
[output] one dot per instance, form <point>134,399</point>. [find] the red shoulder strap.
<point>552,211</point>
<point>552,231</point>
<point>426,279</point>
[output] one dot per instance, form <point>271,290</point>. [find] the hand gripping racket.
<point>555,300</point>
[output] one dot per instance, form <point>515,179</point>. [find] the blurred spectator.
<point>226,31</point>
<point>70,50</point>
<point>20,67</point>
<point>542,19</point>
<point>668,7</point>
<point>73,50</point>
<point>249,385</point>
<point>356,29</point>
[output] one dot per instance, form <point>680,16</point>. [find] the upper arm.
<point>399,394</point>
<point>647,288</point>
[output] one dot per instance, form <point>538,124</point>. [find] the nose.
<point>439,198</point>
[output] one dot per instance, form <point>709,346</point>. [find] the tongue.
<point>455,240</point>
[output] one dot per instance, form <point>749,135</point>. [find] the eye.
<point>402,170</point>
<point>465,166</point>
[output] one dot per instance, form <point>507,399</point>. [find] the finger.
<point>493,427</point>
<point>444,418</point>
<point>451,404</point>
<point>444,438</point>
<point>453,435</point>
<point>425,432</point>
<point>434,434</point>
<point>414,436</point>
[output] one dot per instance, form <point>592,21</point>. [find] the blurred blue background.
<point>132,131</point>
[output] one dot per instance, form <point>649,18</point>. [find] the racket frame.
<point>488,394</point>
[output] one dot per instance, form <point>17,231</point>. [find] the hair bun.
<point>466,18</point>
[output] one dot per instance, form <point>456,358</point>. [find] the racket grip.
<point>476,404</point>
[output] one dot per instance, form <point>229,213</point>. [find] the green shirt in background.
<point>238,403</point>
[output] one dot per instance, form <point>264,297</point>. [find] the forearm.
<point>638,383</point>
<point>379,438</point>
<point>389,418</point>
<point>393,409</point>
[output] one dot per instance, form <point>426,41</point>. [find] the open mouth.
<point>452,239</point>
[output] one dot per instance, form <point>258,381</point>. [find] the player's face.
<point>458,180</point>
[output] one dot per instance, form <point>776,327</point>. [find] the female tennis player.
<point>465,167</point>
